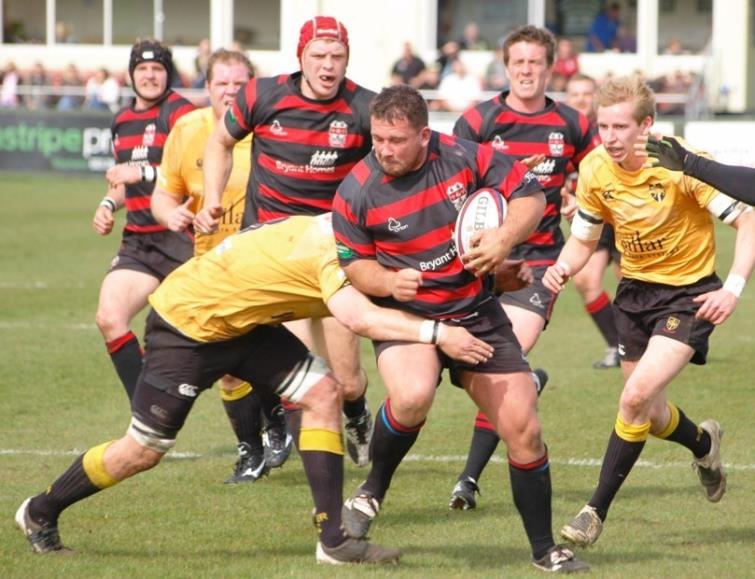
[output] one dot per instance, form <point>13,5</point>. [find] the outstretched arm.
<point>735,181</point>
<point>361,316</point>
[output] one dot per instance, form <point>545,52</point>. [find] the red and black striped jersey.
<point>303,148</point>
<point>559,132</point>
<point>138,139</point>
<point>408,221</point>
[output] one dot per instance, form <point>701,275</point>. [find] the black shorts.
<point>177,368</point>
<point>535,297</point>
<point>157,254</point>
<point>644,309</point>
<point>490,324</point>
<point>607,242</point>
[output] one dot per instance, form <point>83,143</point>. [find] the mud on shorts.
<point>177,368</point>
<point>534,298</point>
<point>490,324</point>
<point>643,309</point>
<point>156,254</point>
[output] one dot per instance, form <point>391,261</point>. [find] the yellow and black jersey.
<point>181,173</point>
<point>663,229</point>
<point>266,274</point>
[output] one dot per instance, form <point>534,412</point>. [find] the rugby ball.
<point>483,209</point>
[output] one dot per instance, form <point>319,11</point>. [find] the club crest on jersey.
<point>607,194</point>
<point>457,193</point>
<point>672,323</point>
<point>556,144</point>
<point>277,129</point>
<point>498,144</point>
<point>657,192</point>
<point>149,135</point>
<point>337,134</point>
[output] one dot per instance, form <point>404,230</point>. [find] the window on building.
<point>133,19</point>
<point>257,24</point>
<point>185,22</point>
<point>78,21</point>
<point>492,19</point>
<point>24,21</point>
<point>594,25</point>
<point>684,26</point>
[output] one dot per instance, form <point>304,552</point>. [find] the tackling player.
<point>670,298</point>
<point>149,251</point>
<point>175,200</point>
<point>207,321</point>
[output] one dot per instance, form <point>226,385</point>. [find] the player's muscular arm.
<point>373,279</point>
<point>361,316</point>
<point>217,166</point>
<point>123,174</point>
<point>490,247</point>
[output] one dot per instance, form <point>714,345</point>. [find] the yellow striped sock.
<point>320,439</point>
<point>632,432</point>
<point>672,423</point>
<point>236,393</point>
<point>94,466</point>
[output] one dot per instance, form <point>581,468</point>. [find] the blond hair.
<point>628,89</point>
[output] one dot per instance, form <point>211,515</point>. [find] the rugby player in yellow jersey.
<point>175,200</point>
<point>670,298</point>
<point>221,313</point>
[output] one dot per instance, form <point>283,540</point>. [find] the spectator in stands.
<point>9,89</point>
<point>557,82</point>
<point>604,29</point>
<point>408,68</point>
<point>567,63</point>
<point>39,83</point>
<point>200,63</point>
<point>626,40</point>
<point>448,53</point>
<point>459,89</point>
<point>471,39</point>
<point>71,80</point>
<point>102,92</point>
<point>495,73</point>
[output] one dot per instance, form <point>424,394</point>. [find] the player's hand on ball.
<point>488,251</point>
<point>459,344</point>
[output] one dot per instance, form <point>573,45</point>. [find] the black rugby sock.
<point>601,312</point>
<point>243,411</point>
<point>126,355</point>
<point>391,441</point>
<point>531,490</point>
<point>484,442</point>
<point>685,432</point>
<point>617,463</point>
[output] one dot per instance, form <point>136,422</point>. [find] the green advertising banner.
<point>55,141</point>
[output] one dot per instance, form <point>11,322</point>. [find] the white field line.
<point>40,285</point>
<point>573,461</point>
<point>24,325</point>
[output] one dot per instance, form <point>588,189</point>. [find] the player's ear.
<point>424,136</point>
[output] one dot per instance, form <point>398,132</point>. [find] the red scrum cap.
<point>321,27</point>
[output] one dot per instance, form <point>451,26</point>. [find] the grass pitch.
<point>59,395</point>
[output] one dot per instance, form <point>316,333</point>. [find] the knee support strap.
<point>149,437</point>
<point>302,378</point>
